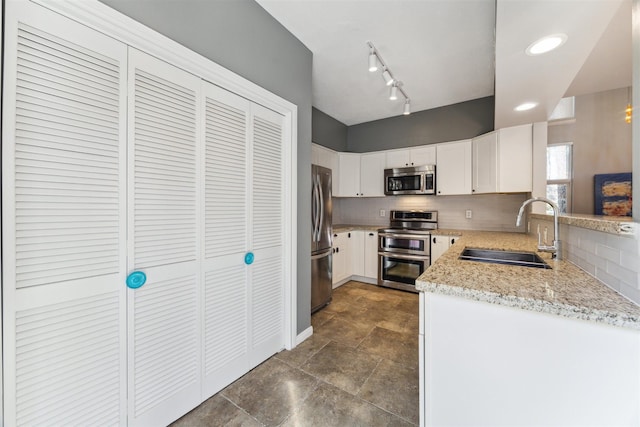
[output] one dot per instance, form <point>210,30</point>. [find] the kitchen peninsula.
<point>507,345</point>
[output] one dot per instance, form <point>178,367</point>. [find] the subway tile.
<point>622,273</point>
<point>631,292</point>
<point>608,253</point>
<point>583,264</point>
<point>607,279</point>
<point>627,244</point>
<point>630,261</point>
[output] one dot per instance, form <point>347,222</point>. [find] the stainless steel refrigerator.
<point>321,234</point>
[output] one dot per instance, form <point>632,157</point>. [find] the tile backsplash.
<point>612,259</point>
<point>491,212</point>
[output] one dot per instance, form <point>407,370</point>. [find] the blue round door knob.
<point>248,258</point>
<point>136,279</point>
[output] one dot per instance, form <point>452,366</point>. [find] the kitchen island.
<point>511,345</point>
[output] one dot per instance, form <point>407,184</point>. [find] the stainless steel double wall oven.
<point>404,250</point>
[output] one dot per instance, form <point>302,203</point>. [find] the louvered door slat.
<point>64,222</point>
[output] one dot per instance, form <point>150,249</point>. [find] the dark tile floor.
<point>360,368</point>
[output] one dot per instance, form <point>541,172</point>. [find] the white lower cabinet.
<point>371,254</point>
<point>340,252</point>
<point>440,244</point>
<point>355,254</point>
<point>115,162</point>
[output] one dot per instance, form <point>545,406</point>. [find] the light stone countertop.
<point>564,290</point>
<point>340,228</point>
<point>621,225</point>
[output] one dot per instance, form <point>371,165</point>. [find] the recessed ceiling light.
<point>546,44</point>
<point>526,106</point>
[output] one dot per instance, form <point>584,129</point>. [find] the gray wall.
<point>449,123</point>
<point>601,142</point>
<point>327,131</point>
<point>244,38</point>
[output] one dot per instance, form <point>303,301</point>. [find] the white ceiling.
<point>445,52</point>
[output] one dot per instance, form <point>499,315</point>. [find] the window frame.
<point>567,181</point>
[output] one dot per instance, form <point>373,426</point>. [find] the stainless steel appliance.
<point>321,232</point>
<point>411,180</point>
<point>404,249</point>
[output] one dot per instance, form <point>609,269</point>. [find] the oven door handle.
<point>406,236</point>
<point>403,256</point>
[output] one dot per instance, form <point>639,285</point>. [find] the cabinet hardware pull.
<point>371,234</point>
<point>434,240</point>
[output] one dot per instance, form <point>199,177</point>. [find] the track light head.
<point>407,108</point>
<point>394,92</point>
<point>373,62</point>
<point>386,75</point>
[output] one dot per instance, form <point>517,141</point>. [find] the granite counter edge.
<point>564,310</point>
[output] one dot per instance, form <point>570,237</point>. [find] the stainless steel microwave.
<point>411,180</point>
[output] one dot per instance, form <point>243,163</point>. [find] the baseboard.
<point>363,279</point>
<point>370,280</point>
<point>302,336</point>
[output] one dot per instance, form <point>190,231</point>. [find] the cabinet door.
<point>164,241</point>
<point>371,254</point>
<point>485,158</point>
<point>339,250</point>
<point>515,159</point>
<point>349,179</point>
<point>398,158</point>
<point>423,156</point>
<point>356,253</point>
<point>64,222</point>
<point>439,245</point>
<point>372,174</point>
<point>453,170</point>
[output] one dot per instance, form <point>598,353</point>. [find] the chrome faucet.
<point>556,248</point>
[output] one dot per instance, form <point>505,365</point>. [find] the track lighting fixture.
<point>394,92</point>
<point>374,59</point>
<point>386,75</point>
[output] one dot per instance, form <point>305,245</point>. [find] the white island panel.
<point>487,364</point>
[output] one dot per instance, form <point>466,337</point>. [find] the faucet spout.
<point>556,248</point>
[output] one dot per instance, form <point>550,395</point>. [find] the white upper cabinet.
<point>485,168</point>
<point>325,157</point>
<point>411,157</point>
<point>349,176</point>
<point>502,161</point>
<point>360,175</point>
<point>453,170</point>
<point>372,174</point>
<point>515,159</point>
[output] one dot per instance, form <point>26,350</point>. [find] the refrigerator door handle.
<point>316,194</point>
<point>321,200</point>
<point>313,210</point>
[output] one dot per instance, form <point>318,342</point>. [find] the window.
<point>559,175</point>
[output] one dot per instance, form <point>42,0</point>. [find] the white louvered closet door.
<point>225,308</point>
<point>64,222</point>
<point>266,237</point>
<point>164,232</point>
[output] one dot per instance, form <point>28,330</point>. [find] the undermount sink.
<point>521,259</point>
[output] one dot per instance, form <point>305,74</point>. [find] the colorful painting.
<point>613,194</point>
